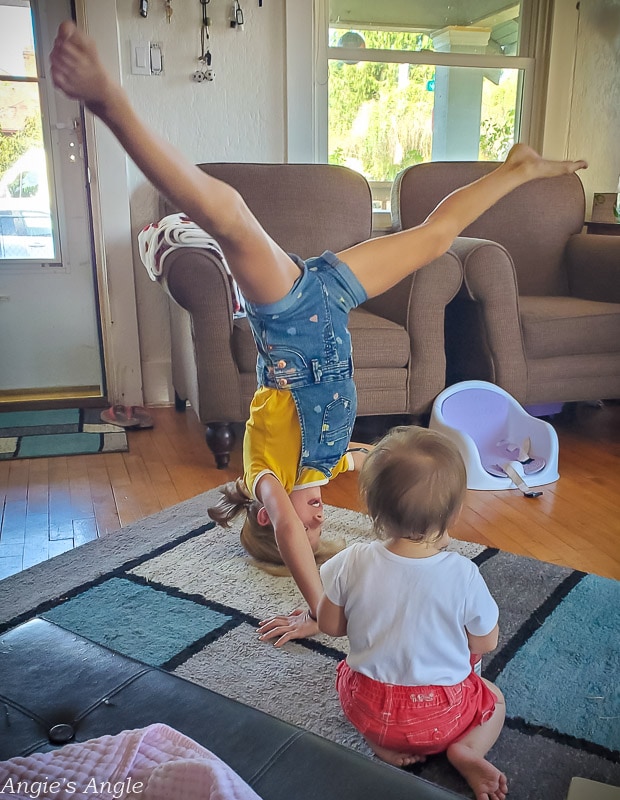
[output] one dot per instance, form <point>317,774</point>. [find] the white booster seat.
<point>503,446</point>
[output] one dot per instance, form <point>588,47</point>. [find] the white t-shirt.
<point>406,617</point>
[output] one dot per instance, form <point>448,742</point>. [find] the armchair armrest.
<point>418,304</point>
<point>593,267</point>
<point>201,316</point>
<point>489,279</point>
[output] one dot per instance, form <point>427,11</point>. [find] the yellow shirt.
<point>272,444</point>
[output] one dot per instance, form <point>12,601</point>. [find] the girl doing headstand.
<point>305,404</point>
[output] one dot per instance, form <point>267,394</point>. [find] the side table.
<point>603,218</point>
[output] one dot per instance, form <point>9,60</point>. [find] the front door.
<point>49,321</point>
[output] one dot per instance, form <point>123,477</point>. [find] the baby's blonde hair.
<point>259,541</point>
<point>413,483</point>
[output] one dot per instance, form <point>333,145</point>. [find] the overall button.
<point>61,734</point>
<point>282,382</point>
<point>281,363</point>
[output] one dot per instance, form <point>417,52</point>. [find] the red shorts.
<point>416,719</point>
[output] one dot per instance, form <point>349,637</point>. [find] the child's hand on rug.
<point>297,625</point>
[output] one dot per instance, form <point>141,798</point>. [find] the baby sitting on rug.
<point>417,617</point>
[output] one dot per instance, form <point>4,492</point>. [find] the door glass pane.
<point>17,40</point>
<point>385,117</point>
<point>26,230</point>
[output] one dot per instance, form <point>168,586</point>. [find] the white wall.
<point>583,108</point>
<point>594,126</point>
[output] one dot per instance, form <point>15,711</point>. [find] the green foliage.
<point>380,114</point>
<point>496,138</point>
<point>497,126</point>
<point>12,146</point>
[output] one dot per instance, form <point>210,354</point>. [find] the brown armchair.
<point>398,337</point>
<point>539,310</point>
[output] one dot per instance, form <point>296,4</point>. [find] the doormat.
<point>58,432</point>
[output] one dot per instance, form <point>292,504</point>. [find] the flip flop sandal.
<point>121,416</point>
<point>143,419</point>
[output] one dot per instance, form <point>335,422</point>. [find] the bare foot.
<point>487,782</point>
<point>394,758</point>
<point>534,166</point>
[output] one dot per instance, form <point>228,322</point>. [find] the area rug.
<point>175,592</point>
<point>58,432</point>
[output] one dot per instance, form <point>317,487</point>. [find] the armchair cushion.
<point>378,341</point>
<point>562,326</point>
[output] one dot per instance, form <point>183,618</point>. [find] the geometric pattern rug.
<point>58,432</point>
<point>176,593</point>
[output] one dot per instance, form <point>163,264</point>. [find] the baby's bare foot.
<point>487,782</point>
<point>393,757</point>
<point>527,160</point>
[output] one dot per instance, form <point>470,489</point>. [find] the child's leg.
<point>262,269</point>
<point>382,262</point>
<point>467,754</point>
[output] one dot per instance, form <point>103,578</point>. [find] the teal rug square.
<point>28,419</point>
<point>565,676</point>
<point>59,444</point>
<point>139,621</point>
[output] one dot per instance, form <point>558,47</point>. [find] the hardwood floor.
<point>50,505</point>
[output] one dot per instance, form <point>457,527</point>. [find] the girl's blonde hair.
<point>413,484</point>
<point>259,541</point>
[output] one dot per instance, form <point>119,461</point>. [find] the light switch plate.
<point>140,58</point>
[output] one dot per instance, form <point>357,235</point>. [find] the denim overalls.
<point>304,347</point>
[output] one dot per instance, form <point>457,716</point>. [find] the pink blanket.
<point>154,763</point>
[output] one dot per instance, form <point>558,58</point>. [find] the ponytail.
<point>234,499</point>
<point>258,541</point>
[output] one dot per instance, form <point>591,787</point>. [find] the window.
<point>26,227</point>
<point>397,82</point>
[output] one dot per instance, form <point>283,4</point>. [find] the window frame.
<point>307,63</point>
